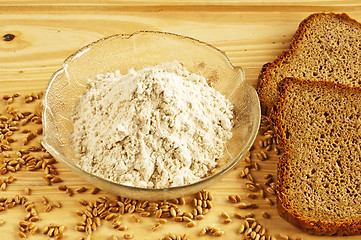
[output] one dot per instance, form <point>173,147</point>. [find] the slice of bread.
<point>319,174</point>
<point>325,47</point>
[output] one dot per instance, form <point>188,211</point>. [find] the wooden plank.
<point>187,3</point>
<point>251,33</point>
<point>43,41</point>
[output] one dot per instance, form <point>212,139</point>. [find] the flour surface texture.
<point>158,127</point>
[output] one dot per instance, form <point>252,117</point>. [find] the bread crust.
<point>312,226</point>
<point>264,77</point>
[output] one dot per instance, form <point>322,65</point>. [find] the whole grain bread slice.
<point>319,174</point>
<point>326,46</point>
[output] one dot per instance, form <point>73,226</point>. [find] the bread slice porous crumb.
<point>326,46</point>
<point>319,174</point>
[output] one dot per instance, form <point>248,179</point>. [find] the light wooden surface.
<point>251,33</point>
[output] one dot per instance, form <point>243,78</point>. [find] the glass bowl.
<point>139,50</point>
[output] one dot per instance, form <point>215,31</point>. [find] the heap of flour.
<point>153,128</point>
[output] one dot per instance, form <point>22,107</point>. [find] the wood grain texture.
<point>251,33</point>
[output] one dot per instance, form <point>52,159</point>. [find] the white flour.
<point>154,128</point>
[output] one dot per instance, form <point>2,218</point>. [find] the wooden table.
<point>251,33</point>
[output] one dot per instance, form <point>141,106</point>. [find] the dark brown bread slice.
<point>325,47</point>
<point>319,174</point>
